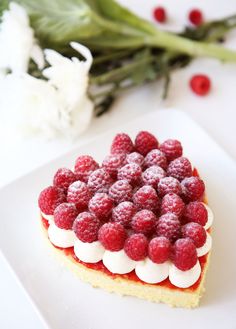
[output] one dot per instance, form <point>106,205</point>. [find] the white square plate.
<point>66,302</point>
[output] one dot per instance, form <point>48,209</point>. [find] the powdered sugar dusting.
<point>155,157</point>
<point>152,175</point>
<point>169,185</point>
<point>135,157</point>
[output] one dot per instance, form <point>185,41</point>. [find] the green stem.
<point>115,89</point>
<point>189,47</point>
<point>110,56</point>
<point>120,72</point>
<point>114,42</point>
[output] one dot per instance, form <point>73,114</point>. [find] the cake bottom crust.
<point>185,298</point>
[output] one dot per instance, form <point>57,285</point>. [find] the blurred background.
<point>216,113</point>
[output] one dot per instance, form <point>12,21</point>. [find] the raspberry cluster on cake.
<point>138,224</point>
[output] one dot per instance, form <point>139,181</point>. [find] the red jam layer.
<point>132,275</point>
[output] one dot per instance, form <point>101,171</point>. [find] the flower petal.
<point>83,51</point>
<point>17,40</point>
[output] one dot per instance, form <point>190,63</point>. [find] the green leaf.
<point>61,21</point>
<point>145,71</point>
<point>57,22</point>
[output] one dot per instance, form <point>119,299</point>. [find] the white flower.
<point>69,76</point>
<point>70,79</point>
<point>57,106</point>
<point>17,41</point>
<point>29,105</point>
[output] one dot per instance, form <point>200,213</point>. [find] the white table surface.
<point>216,113</point>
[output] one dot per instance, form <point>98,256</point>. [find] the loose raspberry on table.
<point>159,249</point>
<point>155,158</point>
<point>184,254</point>
<point>172,149</point>
<point>159,14</point>
<point>200,84</point>
<point>131,172</point>
<point>195,17</point>
<point>50,198</point>
<point>100,181</point>
<point>112,236</point>
<point>143,221</point>
<point>84,166</point>
<point>101,205</point>
<point>122,143</point>
<point>121,191</point>
<point>180,168</point>
<point>152,175</point>
<point>195,232</point>
<point>172,203</point>
<point>196,212</point>
<point>65,215</point>
<point>193,188</point>
<point>79,194</point>
<point>135,157</point>
<point>136,246</point>
<point>146,198</point>
<point>145,142</point>
<point>86,227</point>
<point>168,226</point>
<point>123,213</point>
<point>168,185</point>
<point>112,163</point>
<point>63,178</point>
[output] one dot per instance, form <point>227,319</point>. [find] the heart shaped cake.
<point>138,224</point>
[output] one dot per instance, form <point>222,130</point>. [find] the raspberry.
<point>168,185</point>
<point>112,163</point>
<point>50,198</point>
<point>112,236</point>
<point>168,226</point>
<point>99,181</point>
<point>136,246</point>
<point>195,232</point>
<point>152,175</point>
<point>146,198</point>
<point>131,172</point>
<point>79,194</point>
<point>63,178</point>
<point>64,215</point>
<point>172,149</point>
<point>122,143</point>
<point>195,17</point>
<point>143,221</point>
<point>101,205</point>
<point>159,249</point>
<point>184,254</point>
<point>159,14</point>
<point>86,227</point>
<point>145,142</point>
<point>135,157</point>
<point>155,158</point>
<point>200,84</point>
<point>172,203</point>
<point>180,168</point>
<point>196,212</point>
<point>121,191</point>
<point>193,188</point>
<point>84,166</point>
<point>123,213</point>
